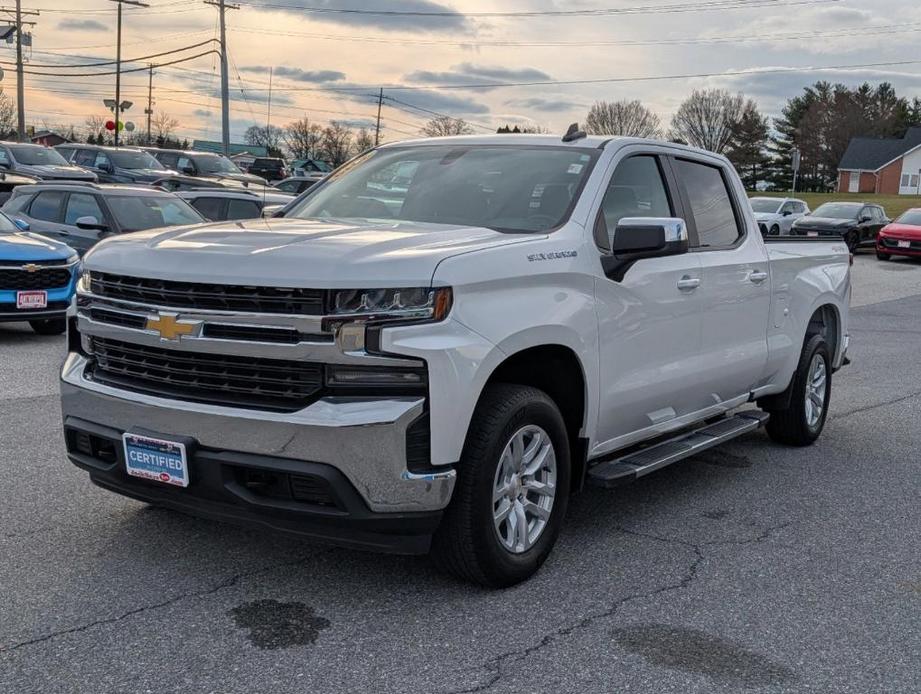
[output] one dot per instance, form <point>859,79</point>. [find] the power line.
<point>113,72</point>
<point>706,5</point>
<point>124,60</point>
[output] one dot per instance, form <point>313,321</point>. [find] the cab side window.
<point>4,158</point>
<point>102,161</point>
<point>788,208</point>
<point>85,157</point>
<point>47,206</point>
<point>82,205</point>
<point>637,189</point>
<point>185,163</point>
<point>711,203</point>
<point>211,209</point>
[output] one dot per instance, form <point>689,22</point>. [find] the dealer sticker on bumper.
<point>156,459</point>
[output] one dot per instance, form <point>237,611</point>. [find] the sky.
<point>454,57</point>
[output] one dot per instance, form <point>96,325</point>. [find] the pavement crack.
<point>885,403</point>
<point>496,664</point>
<point>228,582</point>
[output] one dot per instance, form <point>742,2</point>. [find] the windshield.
<point>32,156</point>
<point>765,205</point>
<point>506,188</point>
<point>215,163</point>
<point>838,210</point>
<point>912,217</point>
<point>136,213</point>
<point>6,225</point>
<point>126,159</point>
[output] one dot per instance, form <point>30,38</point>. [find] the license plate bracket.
<point>31,300</point>
<point>159,460</point>
<point>904,244</point>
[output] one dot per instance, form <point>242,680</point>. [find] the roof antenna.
<point>573,133</point>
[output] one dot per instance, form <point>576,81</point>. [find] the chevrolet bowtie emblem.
<point>170,327</point>
<point>31,267</point>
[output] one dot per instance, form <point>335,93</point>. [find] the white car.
<point>438,368</point>
<point>775,216</point>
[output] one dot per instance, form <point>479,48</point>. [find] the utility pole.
<point>149,110</point>
<point>222,7</point>
<point>20,86</point>
<point>268,113</point>
<point>118,59</point>
<point>377,132</point>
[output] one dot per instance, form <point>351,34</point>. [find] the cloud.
<point>296,74</point>
<point>356,14</point>
<point>357,123</point>
<point>468,73</point>
<point>202,113</point>
<point>81,25</point>
<point>539,103</point>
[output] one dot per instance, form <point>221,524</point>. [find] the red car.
<point>901,237</point>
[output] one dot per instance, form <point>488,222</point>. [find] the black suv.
<point>81,214</point>
<point>115,164</point>
<point>270,168</point>
<point>204,165</point>
<point>856,223</point>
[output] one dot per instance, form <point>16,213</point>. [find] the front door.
<point>853,182</point>
<point>649,321</point>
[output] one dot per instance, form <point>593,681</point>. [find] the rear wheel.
<point>512,489</point>
<point>53,326</point>
<point>801,422</point>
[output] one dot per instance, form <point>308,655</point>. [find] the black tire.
<point>883,256</point>
<point>53,326</point>
<point>775,230</point>
<point>852,239</point>
<point>467,543</point>
<point>790,426</point>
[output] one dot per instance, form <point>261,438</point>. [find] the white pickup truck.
<point>437,365</point>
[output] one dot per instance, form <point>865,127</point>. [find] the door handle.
<point>688,283</point>
<point>757,276</point>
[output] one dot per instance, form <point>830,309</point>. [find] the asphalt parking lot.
<point>749,568</point>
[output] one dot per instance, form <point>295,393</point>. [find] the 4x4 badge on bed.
<point>171,328</point>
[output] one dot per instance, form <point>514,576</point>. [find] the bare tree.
<point>336,145</point>
<point>7,113</point>
<point>163,125</point>
<point>95,128</point>
<point>363,141</point>
<point>445,125</point>
<point>708,119</point>
<point>628,118</point>
<point>302,138</point>
<point>268,136</point>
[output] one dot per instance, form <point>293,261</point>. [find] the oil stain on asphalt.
<point>273,624</point>
<point>701,653</point>
<point>722,458</point>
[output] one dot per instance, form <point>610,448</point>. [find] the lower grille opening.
<point>306,489</point>
<point>418,445</point>
<point>91,446</point>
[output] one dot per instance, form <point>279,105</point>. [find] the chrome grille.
<point>217,379</point>
<point>205,297</point>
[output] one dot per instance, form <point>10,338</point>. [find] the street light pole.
<point>118,59</point>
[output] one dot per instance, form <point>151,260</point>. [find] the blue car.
<point>38,278</point>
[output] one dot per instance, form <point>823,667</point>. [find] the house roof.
<point>873,153</point>
<point>235,148</point>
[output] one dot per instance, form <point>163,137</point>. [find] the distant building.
<point>48,138</point>
<point>241,155</point>
<point>888,166</point>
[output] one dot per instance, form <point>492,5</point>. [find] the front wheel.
<point>775,230</point>
<point>852,239</point>
<point>512,489</point>
<point>801,422</point>
<point>53,326</point>
<point>883,256</point>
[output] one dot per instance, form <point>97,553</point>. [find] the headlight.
<point>412,303</point>
<point>83,284</point>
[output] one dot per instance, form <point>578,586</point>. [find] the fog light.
<point>349,376</point>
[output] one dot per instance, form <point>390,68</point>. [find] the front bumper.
<point>360,441</point>
<point>13,315</point>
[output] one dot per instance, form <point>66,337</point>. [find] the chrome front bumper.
<point>364,438</point>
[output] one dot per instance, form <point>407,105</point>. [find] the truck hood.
<point>23,245</point>
<point>55,171</point>
<point>295,252</point>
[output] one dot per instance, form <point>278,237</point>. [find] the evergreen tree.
<point>747,151</point>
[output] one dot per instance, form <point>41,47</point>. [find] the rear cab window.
<point>711,209</point>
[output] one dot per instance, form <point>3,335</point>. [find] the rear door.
<point>649,321</point>
<point>214,209</point>
<point>243,209</point>
<point>735,281</point>
<point>46,215</point>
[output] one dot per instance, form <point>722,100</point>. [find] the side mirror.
<point>21,224</point>
<point>188,170</point>
<point>106,167</point>
<point>89,222</point>
<point>5,167</point>
<point>636,238</point>
<point>787,213</point>
<point>863,219</point>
